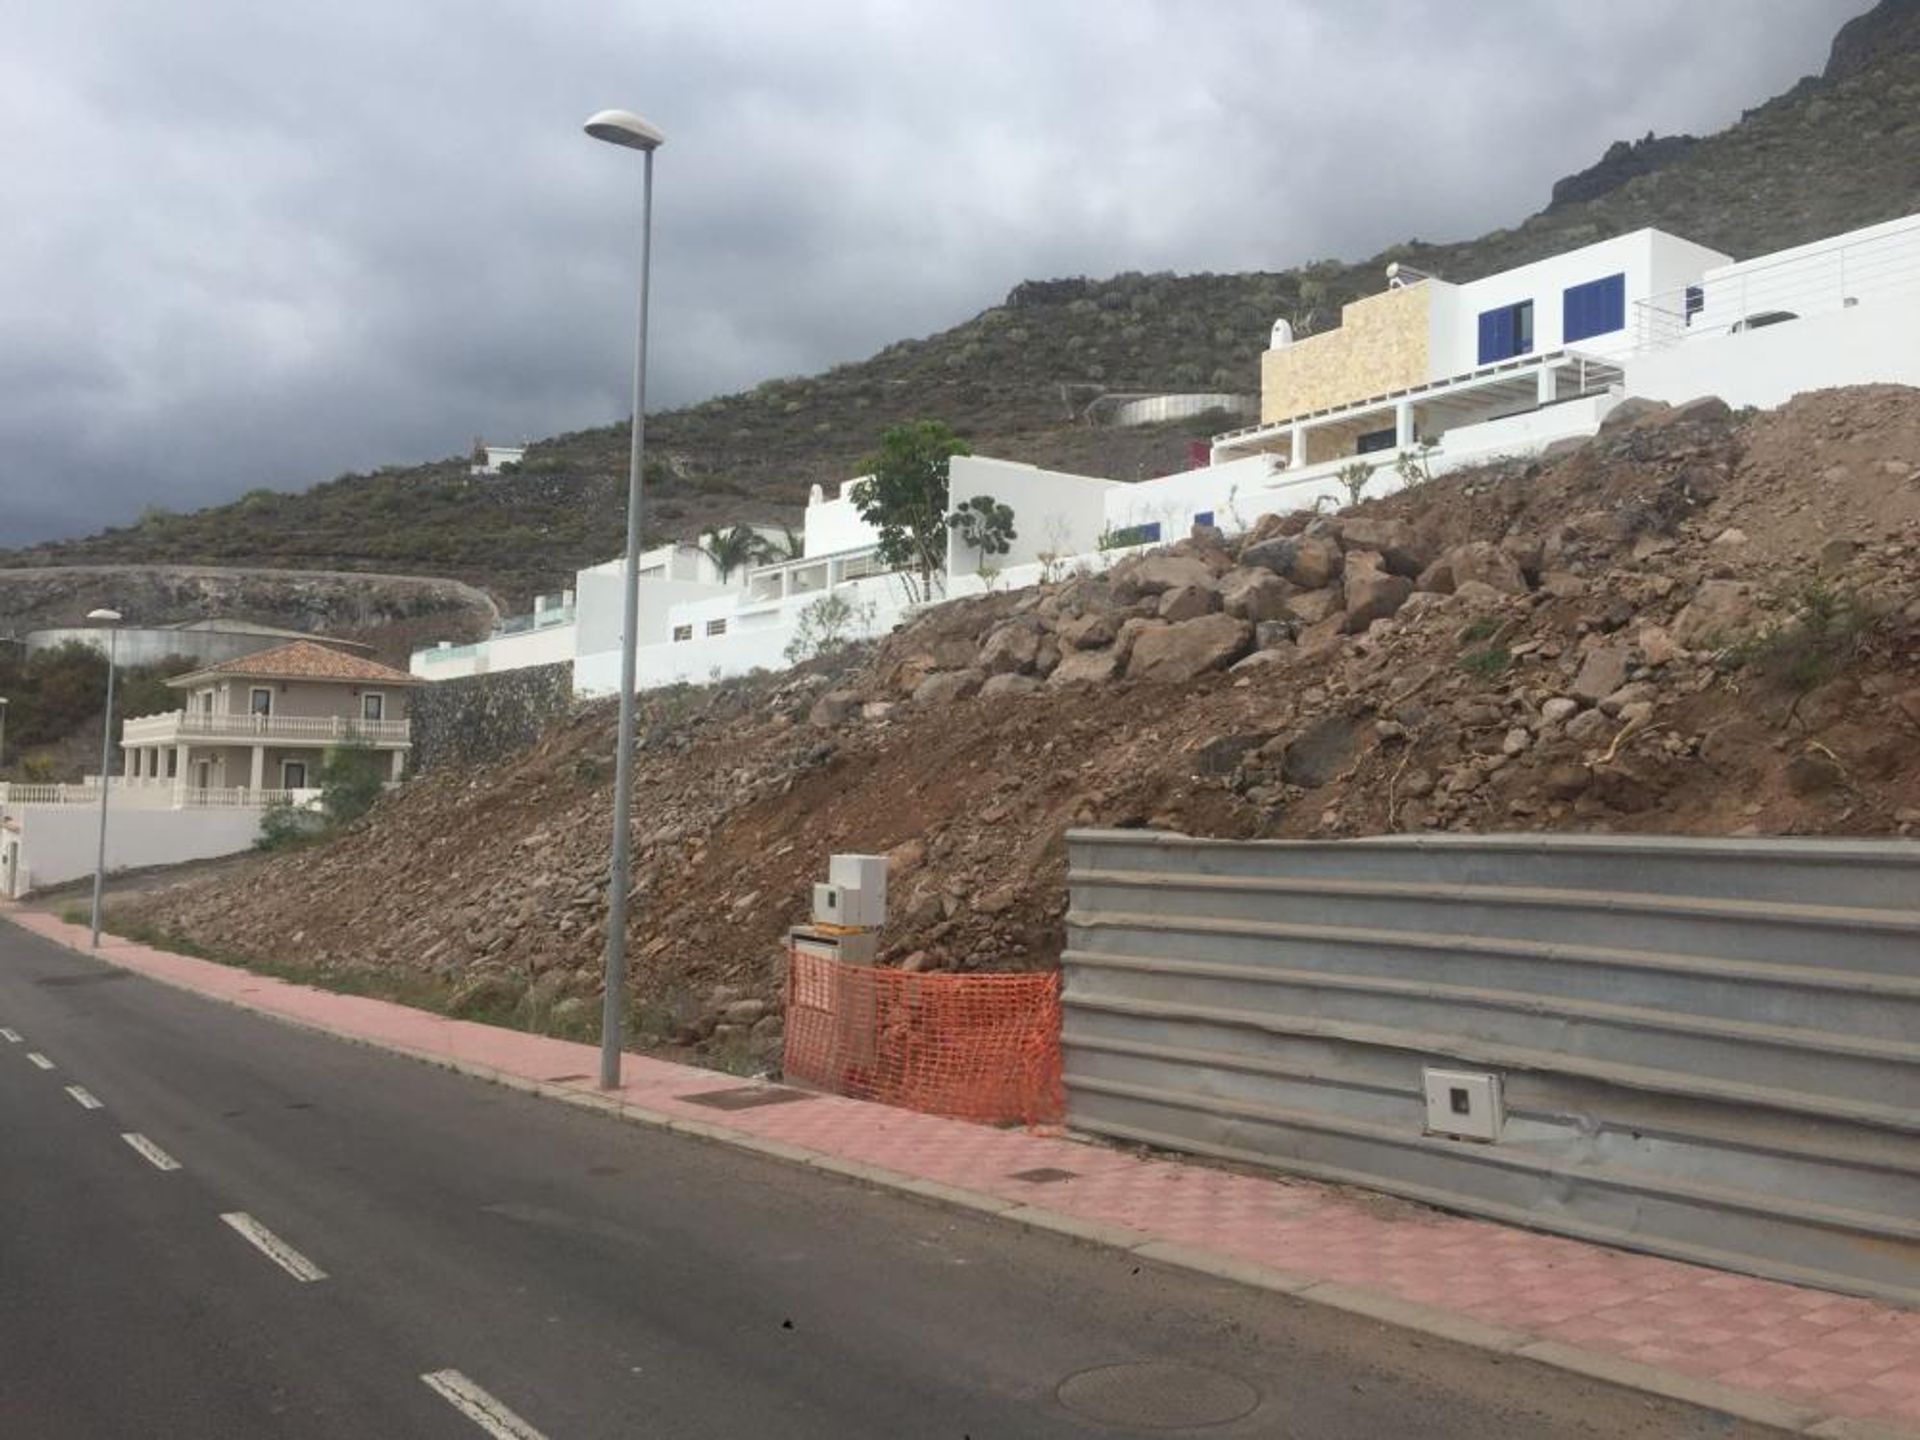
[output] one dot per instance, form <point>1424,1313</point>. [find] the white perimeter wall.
<point>57,842</point>
<point>1866,267</point>
<point>1053,511</point>
<point>1868,345</point>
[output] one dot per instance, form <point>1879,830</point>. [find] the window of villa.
<point>373,706</point>
<point>1374,440</point>
<point>1597,308</point>
<point>716,627</point>
<point>1505,332</point>
<point>173,764</point>
<point>293,774</point>
<point>260,701</point>
<point>683,632</point>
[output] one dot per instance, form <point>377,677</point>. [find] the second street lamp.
<point>622,127</point>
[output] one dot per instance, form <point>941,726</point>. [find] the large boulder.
<point>1009,650</point>
<point>1403,549</point>
<point>1254,594</point>
<point>1309,561</point>
<point>1720,612</point>
<point>1087,632</point>
<point>1007,684</point>
<point>1374,595</point>
<point>1156,574</point>
<point>1313,606</point>
<point>1601,673</point>
<point>836,707</point>
<point>1174,654</point>
<point>948,686</point>
<point>1185,602</point>
<point>1479,560</point>
<point>1085,667</point>
<point>1130,631</point>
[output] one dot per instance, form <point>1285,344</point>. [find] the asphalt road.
<point>593,1278</point>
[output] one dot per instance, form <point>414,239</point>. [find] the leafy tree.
<point>351,778</point>
<point>730,550</point>
<point>986,524</point>
<point>826,625</point>
<point>905,496</point>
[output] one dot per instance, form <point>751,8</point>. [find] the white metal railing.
<point>178,725</point>
<point>1819,281</point>
<point>151,795</point>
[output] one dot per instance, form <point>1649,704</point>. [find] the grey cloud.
<point>262,244</point>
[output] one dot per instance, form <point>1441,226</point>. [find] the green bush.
<point>351,778</point>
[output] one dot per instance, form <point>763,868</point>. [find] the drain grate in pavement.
<point>1158,1395</point>
<point>98,977</point>
<point>1044,1175</point>
<point>746,1097</point>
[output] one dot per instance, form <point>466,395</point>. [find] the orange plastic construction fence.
<point>978,1047</point>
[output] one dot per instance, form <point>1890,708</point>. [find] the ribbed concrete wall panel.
<point>1709,1048</point>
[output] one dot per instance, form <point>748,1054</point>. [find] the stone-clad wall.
<point>482,717</point>
<point>1381,345</point>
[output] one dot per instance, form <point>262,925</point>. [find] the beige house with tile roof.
<point>264,722</point>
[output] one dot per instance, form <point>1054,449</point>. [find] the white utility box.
<point>1465,1104</point>
<point>855,893</point>
<point>856,948</point>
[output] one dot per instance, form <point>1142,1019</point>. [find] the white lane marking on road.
<point>37,1058</point>
<point>86,1098</point>
<point>480,1407</point>
<point>273,1247</point>
<point>152,1153</point>
<point>12,1037</point>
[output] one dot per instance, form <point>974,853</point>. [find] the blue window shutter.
<point>1496,334</point>
<point>1597,308</point>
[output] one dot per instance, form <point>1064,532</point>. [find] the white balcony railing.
<point>1833,277</point>
<point>188,725</point>
<point>145,794</point>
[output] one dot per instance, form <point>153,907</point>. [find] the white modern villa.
<point>1464,373</point>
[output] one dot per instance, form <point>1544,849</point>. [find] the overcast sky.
<point>259,244</point>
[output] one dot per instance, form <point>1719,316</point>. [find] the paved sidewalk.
<point>1803,1360</point>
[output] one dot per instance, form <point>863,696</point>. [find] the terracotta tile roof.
<point>301,660</point>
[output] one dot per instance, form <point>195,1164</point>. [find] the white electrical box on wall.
<point>868,875</point>
<point>1465,1104</point>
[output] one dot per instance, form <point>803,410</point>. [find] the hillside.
<point>1695,623</point>
<point>1836,151</point>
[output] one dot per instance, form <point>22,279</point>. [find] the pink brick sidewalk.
<point>1805,1359</point>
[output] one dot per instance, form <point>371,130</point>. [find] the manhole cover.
<point>1158,1395</point>
<point>747,1097</point>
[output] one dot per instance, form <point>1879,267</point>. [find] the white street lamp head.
<point>623,127</point>
<point>112,617</point>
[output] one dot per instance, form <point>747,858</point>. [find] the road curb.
<point>1377,1305</point>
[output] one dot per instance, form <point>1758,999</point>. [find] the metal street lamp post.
<point>621,127</point>
<point>111,618</point>
<point>3,730</point>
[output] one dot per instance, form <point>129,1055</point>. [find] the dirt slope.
<point>1696,623</point>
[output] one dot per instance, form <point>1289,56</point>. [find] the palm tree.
<point>731,549</point>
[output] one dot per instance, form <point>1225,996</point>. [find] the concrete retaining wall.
<point>1707,1047</point>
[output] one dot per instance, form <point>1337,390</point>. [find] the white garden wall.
<point>58,842</point>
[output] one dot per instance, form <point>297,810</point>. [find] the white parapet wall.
<point>1869,344</point>
<point>56,843</point>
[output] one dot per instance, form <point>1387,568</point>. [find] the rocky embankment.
<point>1698,622</point>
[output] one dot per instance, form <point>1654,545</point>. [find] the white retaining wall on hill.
<point>57,842</point>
